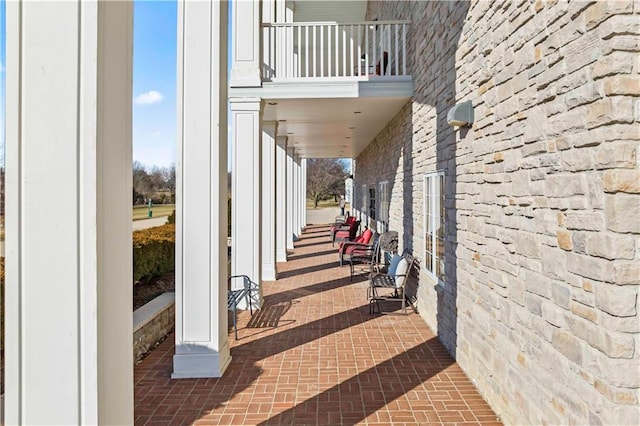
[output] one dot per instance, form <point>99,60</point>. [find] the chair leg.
<point>235,322</point>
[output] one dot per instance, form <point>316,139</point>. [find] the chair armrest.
<point>348,243</point>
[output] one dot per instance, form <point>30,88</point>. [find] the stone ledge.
<point>152,322</point>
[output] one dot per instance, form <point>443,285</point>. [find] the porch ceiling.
<point>332,127</point>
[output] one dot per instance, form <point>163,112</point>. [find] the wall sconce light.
<point>461,115</point>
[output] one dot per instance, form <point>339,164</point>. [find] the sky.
<point>154,82</point>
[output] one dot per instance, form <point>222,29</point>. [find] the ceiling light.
<point>357,112</point>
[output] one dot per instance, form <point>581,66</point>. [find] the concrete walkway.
<point>149,223</point>
<point>322,215</point>
<point>314,355</point>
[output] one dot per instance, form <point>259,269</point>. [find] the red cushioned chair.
<point>356,247</point>
<point>343,229</point>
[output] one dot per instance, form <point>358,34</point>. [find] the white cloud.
<point>150,97</point>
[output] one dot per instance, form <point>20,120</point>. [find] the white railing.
<point>320,50</point>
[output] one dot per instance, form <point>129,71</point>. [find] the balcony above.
<point>322,51</point>
<point>332,87</point>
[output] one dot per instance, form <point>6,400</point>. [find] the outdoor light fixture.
<point>461,114</point>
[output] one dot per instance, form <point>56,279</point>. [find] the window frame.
<point>372,198</point>
<point>433,187</point>
<point>384,205</point>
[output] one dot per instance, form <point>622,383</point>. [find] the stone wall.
<point>152,322</point>
<point>540,303</point>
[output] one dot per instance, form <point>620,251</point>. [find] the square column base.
<point>281,256</point>
<point>268,274</point>
<point>195,365</point>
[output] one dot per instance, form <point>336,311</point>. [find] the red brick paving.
<point>315,356</point>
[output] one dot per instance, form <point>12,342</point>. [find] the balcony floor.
<point>314,355</point>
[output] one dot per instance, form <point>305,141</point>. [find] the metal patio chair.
<point>235,296</point>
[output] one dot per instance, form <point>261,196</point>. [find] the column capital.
<point>245,104</point>
<point>270,127</point>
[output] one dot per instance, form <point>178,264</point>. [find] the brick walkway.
<point>314,355</point>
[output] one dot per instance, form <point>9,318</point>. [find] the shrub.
<point>172,218</point>
<point>153,252</point>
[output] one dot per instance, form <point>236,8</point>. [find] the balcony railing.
<point>321,50</point>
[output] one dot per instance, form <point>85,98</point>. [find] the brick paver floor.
<point>314,355</point>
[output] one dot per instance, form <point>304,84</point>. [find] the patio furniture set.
<point>377,255</point>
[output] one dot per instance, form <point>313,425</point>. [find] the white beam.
<point>269,131</point>
<point>245,190</point>
<point>245,62</point>
<point>281,199</point>
<point>202,347</point>
<point>68,275</point>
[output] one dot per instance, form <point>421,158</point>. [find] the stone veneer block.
<point>152,322</point>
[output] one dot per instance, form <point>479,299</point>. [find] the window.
<point>363,206</point>
<point>384,207</point>
<point>434,231</point>
<point>372,202</point>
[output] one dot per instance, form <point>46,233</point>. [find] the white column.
<point>304,193</point>
<point>281,199</point>
<point>69,357</point>
<point>296,197</point>
<point>202,348</point>
<point>300,202</point>
<point>290,198</point>
<point>269,131</point>
<point>245,191</point>
<point>245,59</point>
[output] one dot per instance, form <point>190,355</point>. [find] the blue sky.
<point>154,82</point>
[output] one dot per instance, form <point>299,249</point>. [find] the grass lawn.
<point>159,210</point>
<point>323,204</point>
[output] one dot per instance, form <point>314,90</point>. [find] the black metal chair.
<point>235,296</point>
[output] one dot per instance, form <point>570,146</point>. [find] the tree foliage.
<point>325,177</point>
<point>156,183</point>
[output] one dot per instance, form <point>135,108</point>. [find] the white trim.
<point>429,179</point>
<point>338,87</point>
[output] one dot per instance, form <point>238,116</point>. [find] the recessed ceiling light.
<point>273,103</point>
<point>357,112</point>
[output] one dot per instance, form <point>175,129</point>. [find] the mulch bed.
<point>146,292</point>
